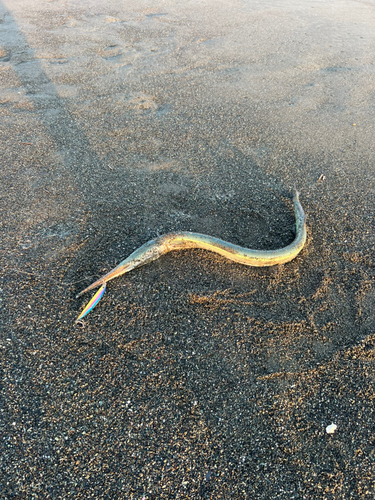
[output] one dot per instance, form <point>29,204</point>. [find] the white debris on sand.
<point>331,429</point>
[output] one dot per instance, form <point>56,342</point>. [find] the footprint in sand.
<point>120,59</point>
<point>142,104</point>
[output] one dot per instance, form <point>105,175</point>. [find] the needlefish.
<point>161,245</point>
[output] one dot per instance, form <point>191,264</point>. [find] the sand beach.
<point>194,377</point>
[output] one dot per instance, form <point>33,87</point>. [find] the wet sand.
<point>194,377</point>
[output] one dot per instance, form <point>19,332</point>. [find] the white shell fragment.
<point>331,429</point>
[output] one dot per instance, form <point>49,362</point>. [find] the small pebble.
<point>331,429</point>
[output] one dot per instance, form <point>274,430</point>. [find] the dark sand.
<point>194,377</point>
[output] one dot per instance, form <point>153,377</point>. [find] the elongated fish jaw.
<point>92,303</point>
<point>93,285</point>
<point>122,268</point>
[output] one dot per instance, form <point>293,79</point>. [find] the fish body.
<point>181,240</point>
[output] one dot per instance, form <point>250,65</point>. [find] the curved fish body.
<point>154,249</point>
